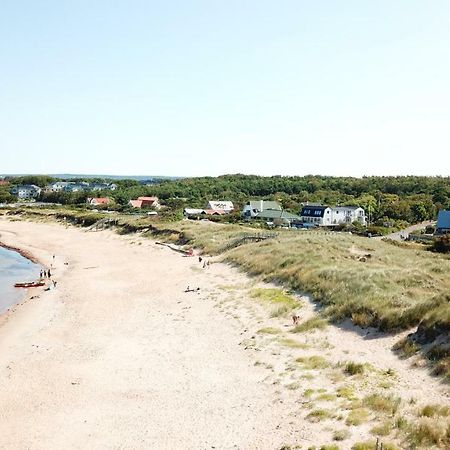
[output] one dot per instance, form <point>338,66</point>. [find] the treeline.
<point>409,199</point>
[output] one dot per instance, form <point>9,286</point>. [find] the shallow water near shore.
<point>14,268</point>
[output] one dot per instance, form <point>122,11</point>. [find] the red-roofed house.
<point>96,201</point>
<point>4,183</point>
<point>145,202</point>
<point>214,212</point>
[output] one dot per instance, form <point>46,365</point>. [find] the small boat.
<point>30,284</point>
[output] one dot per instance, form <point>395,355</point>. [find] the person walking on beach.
<point>48,273</point>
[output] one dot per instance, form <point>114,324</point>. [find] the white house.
<point>77,187</point>
<point>347,214</point>
<point>57,186</point>
<point>220,205</point>
<point>26,191</point>
<point>254,207</point>
<point>316,214</point>
<point>102,186</point>
<point>328,216</point>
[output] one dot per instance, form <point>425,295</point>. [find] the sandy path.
<point>120,357</point>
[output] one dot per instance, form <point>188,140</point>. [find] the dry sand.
<point>119,356</point>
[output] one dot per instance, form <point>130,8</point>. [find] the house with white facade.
<point>316,214</point>
<point>322,215</point>
<point>348,214</point>
<point>102,186</point>
<point>254,207</point>
<point>57,186</point>
<point>77,187</point>
<point>220,205</point>
<point>26,191</point>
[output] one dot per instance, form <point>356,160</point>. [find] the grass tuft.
<point>313,362</point>
<point>269,330</point>
<point>429,432</point>
<point>341,435</point>
<point>434,410</point>
<point>319,414</point>
<point>382,403</point>
<point>357,416</point>
<point>316,323</point>
<point>352,368</point>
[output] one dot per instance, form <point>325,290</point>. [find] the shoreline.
<point>25,253</point>
<point>20,295</point>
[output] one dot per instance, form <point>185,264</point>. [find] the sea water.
<point>14,268</point>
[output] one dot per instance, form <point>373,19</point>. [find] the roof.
<point>136,203</point>
<point>266,204</point>
<point>191,211</point>
<point>212,212</point>
<point>100,200</point>
<point>220,204</point>
<point>443,219</point>
<point>27,186</point>
<point>208,212</point>
<point>313,211</point>
<point>272,214</point>
<point>148,199</point>
<point>341,208</point>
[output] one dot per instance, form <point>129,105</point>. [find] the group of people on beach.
<point>46,273</point>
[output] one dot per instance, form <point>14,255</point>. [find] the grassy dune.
<point>372,282</point>
<point>395,288</point>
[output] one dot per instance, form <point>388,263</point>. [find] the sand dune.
<point>119,356</point>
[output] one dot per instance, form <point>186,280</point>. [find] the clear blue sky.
<point>343,87</point>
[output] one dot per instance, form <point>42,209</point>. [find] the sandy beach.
<point>120,356</point>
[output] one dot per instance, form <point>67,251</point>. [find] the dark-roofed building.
<point>316,214</point>
<point>443,222</point>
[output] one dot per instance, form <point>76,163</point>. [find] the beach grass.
<point>396,288</point>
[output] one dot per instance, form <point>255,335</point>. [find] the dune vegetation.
<point>370,281</point>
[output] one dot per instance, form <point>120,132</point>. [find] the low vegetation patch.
<point>313,362</point>
<point>382,403</point>
<point>341,435</point>
<point>293,343</point>
<point>318,415</point>
<point>357,416</point>
<point>435,410</point>
<point>429,432</point>
<point>406,347</point>
<point>268,330</point>
<point>370,445</point>
<point>316,323</point>
<point>352,368</point>
<point>382,429</point>
<point>347,392</point>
